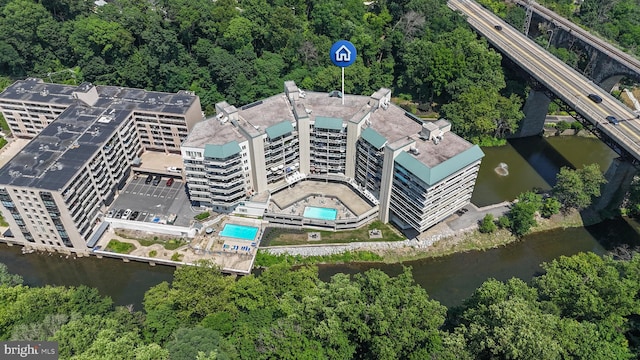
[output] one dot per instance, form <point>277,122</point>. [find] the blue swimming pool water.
<point>239,231</point>
<point>320,213</point>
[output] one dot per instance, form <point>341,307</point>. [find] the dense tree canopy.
<point>241,51</point>
<point>577,188</point>
<point>582,307</point>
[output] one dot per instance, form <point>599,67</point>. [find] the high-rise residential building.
<point>84,139</point>
<point>416,172</point>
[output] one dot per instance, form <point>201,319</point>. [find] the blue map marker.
<point>343,54</point>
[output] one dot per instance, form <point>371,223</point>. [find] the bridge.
<point>560,79</point>
<point>607,63</point>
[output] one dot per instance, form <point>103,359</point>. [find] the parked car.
<point>595,98</point>
<point>149,179</point>
<point>126,214</point>
<point>134,215</point>
<point>170,181</point>
<point>110,214</point>
<point>156,180</point>
<point>118,214</point>
<point>613,120</point>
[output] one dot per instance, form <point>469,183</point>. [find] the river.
<point>532,163</point>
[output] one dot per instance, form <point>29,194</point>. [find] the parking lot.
<point>154,203</point>
<point>139,187</point>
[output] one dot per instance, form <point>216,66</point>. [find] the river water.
<point>531,162</point>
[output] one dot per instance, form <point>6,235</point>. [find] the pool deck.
<point>319,194</point>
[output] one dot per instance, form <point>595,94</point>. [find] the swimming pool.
<point>320,213</point>
<point>239,231</point>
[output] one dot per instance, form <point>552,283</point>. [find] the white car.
<point>126,214</point>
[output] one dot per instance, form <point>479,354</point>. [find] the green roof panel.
<point>279,129</point>
<point>374,138</point>
<point>221,151</point>
<point>328,123</point>
<point>431,176</point>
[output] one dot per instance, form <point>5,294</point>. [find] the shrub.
<point>562,126</point>
<point>550,206</point>
<point>504,222</point>
<point>577,126</point>
<point>153,253</point>
<point>487,225</point>
<point>202,216</point>
<point>176,257</point>
<point>120,247</point>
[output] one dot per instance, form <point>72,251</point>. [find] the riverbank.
<point>457,234</point>
<point>476,241</point>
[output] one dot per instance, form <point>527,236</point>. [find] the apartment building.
<point>162,120</point>
<point>418,173</point>
<point>54,191</point>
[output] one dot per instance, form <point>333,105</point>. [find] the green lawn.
<point>4,126</point>
<point>3,222</point>
<point>280,236</point>
<point>168,244</point>
<point>120,247</point>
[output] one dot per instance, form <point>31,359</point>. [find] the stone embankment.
<point>330,249</point>
<point>455,227</point>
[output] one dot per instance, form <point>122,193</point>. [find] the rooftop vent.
<point>104,119</point>
<point>414,150</point>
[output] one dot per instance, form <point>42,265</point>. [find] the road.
<point>569,85</point>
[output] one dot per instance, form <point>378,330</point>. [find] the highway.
<point>569,85</point>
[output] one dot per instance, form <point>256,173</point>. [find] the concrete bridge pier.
<point>619,176</point>
<point>535,112</point>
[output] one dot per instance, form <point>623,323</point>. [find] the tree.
<point>633,197</point>
<point>522,213</point>
<point>374,316</point>
<point>487,225</point>
<point>577,188</point>
<point>200,290</point>
<point>589,287</point>
<point>505,321</point>
<point>186,343</point>
<point>39,331</point>
<point>8,279</point>
<point>95,37</point>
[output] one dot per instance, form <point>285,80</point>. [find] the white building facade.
<point>418,173</point>
<point>55,190</point>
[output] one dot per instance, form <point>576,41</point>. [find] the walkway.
<point>453,226</point>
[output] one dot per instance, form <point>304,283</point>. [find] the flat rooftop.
<point>53,157</point>
<point>212,131</point>
<point>393,123</point>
